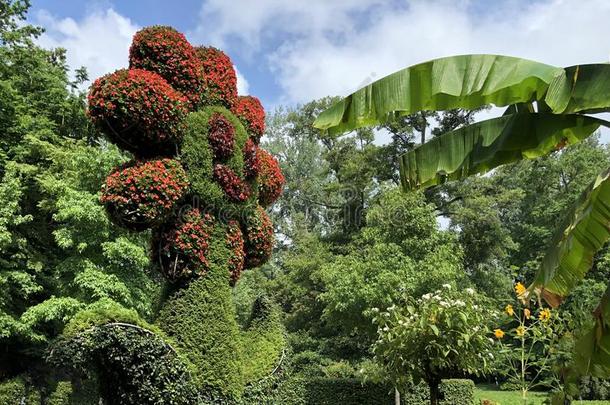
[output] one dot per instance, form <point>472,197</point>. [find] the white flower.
<point>385,329</point>
<point>470,291</point>
<point>447,286</point>
<point>426,296</point>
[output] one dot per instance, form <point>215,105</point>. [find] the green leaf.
<point>466,81</point>
<point>485,145</point>
<point>581,88</point>
<point>592,355</point>
<point>584,231</point>
<point>435,329</point>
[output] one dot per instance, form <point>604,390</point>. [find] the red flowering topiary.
<point>143,193</point>
<point>183,246</point>
<point>258,239</point>
<point>270,179</point>
<point>233,186</point>
<point>221,136</point>
<point>252,163</point>
<point>235,243</point>
<point>220,80</point>
<point>138,110</point>
<point>167,52</point>
<point>250,110</point>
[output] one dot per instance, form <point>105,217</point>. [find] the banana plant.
<point>547,108</point>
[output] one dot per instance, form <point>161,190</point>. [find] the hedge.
<point>16,391</point>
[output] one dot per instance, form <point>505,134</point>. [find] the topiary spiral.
<point>177,109</point>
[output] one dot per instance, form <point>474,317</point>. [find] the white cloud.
<point>332,47</point>
<point>100,41</point>
<point>243,87</point>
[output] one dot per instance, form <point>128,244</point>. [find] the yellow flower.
<point>509,310</point>
<point>499,333</point>
<point>521,331</point>
<point>527,313</point>
<point>520,289</point>
<point>545,315</point>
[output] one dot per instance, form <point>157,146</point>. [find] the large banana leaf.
<point>581,88</point>
<point>485,145</point>
<point>466,81</point>
<point>570,255</point>
<point>593,348</point>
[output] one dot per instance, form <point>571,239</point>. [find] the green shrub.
<point>16,392</point>
<point>453,392</point>
<point>201,319</point>
<point>594,388</point>
<point>263,341</point>
<point>61,395</point>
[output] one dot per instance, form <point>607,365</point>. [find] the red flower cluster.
<point>252,163</point>
<point>270,180</point>
<point>221,136</point>
<point>183,249</point>
<point>144,193</point>
<point>259,239</point>
<point>219,77</point>
<point>235,243</point>
<point>138,110</point>
<point>167,52</point>
<point>234,187</point>
<point>250,110</point>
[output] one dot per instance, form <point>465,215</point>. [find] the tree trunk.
<point>435,394</point>
<point>396,396</point>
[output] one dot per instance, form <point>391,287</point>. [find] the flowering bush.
<point>233,186</point>
<point>270,180</point>
<point>221,136</point>
<point>250,110</point>
<point>252,163</point>
<point>258,239</point>
<point>235,243</point>
<point>183,246</point>
<point>138,110</point>
<point>144,193</point>
<point>528,341</point>
<point>167,52</point>
<point>219,77</point>
<point>433,337</point>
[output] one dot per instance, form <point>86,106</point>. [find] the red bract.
<point>235,243</point>
<point>183,247</point>
<point>250,110</point>
<point>251,161</point>
<point>258,239</point>
<point>138,110</point>
<point>220,80</point>
<point>270,179</point>
<point>234,187</point>
<point>167,52</point>
<point>143,193</point>
<point>221,136</point>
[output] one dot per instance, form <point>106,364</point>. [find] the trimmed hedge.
<point>16,391</point>
<point>453,392</point>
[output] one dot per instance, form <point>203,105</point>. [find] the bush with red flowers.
<point>221,135</point>
<point>252,163</point>
<point>143,193</point>
<point>251,112</point>
<point>270,179</point>
<point>183,246</point>
<point>235,243</point>
<point>233,186</point>
<point>138,110</point>
<point>165,51</point>
<point>220,80</point>
<point>258,238</point>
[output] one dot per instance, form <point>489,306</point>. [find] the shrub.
<point>235,243</point>
<point>236,189</point>
<point>453,392</point>
<point>138,110</point>
<point>251,112</point>
<point>220,80</point>
<point>17,391</point>
<point>252,164</point>
<point>258,239</point>
<point>594,388</point>
<point>165,51</point>
<point>221,136</point>
<point>201,319</point>
<point>143,193</point>
<point>182,246</point>
<point>270,180</point>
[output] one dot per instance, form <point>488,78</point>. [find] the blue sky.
<point>292,51</point>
